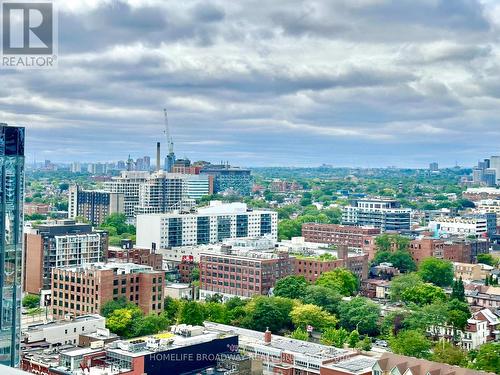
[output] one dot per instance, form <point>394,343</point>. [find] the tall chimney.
<point>267,336</point>
<point>158,162</point>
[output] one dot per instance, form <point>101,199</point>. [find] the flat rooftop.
<point>287,344</point>
<point>58,323</point>
<point>124,268</point>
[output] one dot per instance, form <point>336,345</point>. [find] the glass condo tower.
<point>11,226</point>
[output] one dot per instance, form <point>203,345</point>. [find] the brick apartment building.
<point>242,273</point>
<point>454,249</point>
<point>312,267</point>
<point>186,267</point>
<point>36,208</point>
<point>336,234</point>
<point>135,255</point>
<point>84,290</point>
<point>58,244</point>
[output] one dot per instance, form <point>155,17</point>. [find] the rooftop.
<point>121,268</point>
<point>247,336</point>
<point>356,365</point>
<point>58,323</point>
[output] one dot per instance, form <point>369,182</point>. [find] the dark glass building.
<point>11,227</point>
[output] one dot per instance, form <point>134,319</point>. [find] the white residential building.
<point>63,332</point>
<point>474,226</point>
<point>208,225</point>
<point>198,185</point>
<point>163,192</point>
<point>128,184</point>
<point>475,334</point>
<point>386,214</point>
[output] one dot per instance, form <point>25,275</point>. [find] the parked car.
<point>381,343</point>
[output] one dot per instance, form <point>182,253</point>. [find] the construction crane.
<point>170,143</point>
<point>170,160</point>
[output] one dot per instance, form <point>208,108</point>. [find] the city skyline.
<point>295,84</point>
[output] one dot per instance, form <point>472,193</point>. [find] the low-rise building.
<point>63,332</point>
<point>460,226</point>
<point>130,254</point>
<point>470,271</point>
<point>179,291</point>
<point>475,334</point>
<point>335,234</point>
<point>312,266</point>
<point>85,289</point>
<point>287,356</point>
<point>390,364</point>
<point>242,274</point>
<point>483,296</point>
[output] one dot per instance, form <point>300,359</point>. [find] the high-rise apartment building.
<point>386,214</point>
<point>11,226</point>
<point>434,167</point>
<point>163,192</point>
<point>227,178</point>
<point>495,165</point>
<point>84,290</point>
<point>94,205</point>
<point>208,225</point>
<point>199,186</point>
<point>59,244</point>
<point>128,184</point>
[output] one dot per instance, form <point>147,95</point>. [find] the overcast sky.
<point>258,83</point>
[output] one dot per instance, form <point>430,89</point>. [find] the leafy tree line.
<point>118,229</point>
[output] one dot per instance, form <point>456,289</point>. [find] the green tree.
<point>300,334</point>
<point>403,261</point>
<point>365,344</point>
<point>353,339</point>
<point>112,305</point>
<point>401,283</point>
<point>121,321</point>
<point>291,287</point>
<point>427,316</point>
<point>458,290</point>
<point>334,337</point>
<point>436,271</point>
<point>319,319</point>
<point>360,314</point>
<point>195,273</point>
<point>191,312</point>
<point>216,312</point>
<point>268,312</point>
<point>487,259</point>
<point>410,343</point>
<point>488,358</point>
<point>445,352</point>
<point>289,228</point>
<point>340,279</point>
<point>31,301</point>
<point>171,307</point>
<point>148,325</point>
<point>327,298</point>
<point>119,222</point>
<point>423,294</point>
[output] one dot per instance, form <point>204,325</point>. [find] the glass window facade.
<point>265,224</point>
<point>203,230</point>
<point>11,223</point>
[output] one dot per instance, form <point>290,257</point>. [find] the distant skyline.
<point>355,83</point>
